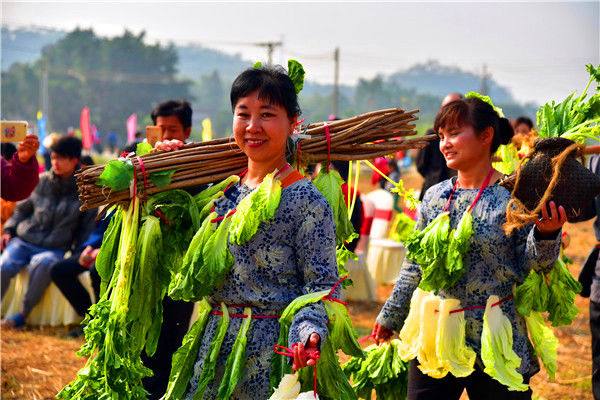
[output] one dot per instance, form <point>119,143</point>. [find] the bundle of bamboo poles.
<point>363,137</point>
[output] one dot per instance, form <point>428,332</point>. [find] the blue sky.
<point>537,49</point>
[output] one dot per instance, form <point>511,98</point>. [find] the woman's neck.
<point>258,170</point>
<point>473,177</point>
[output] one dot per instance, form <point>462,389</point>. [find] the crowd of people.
<point>49,235</point>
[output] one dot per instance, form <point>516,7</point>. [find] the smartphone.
<point>13,131</point>
<point>153,134</point>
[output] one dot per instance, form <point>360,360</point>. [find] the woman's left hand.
<point>550,224</point>
<point>306,355</point>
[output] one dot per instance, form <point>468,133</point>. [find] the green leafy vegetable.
<point>182,364</point>
<point>234,367</point>
<point>458,247</point>
<point>162,178</point>
<point>382,370</point>
<point>329,183</point>
<point>214,191</point>
<point>486,99</point>
<point>258,207</point>
<point>109,250</point>
<point>296,74</point>
<point>452,350</point>
<point>402,227</point>
<point>117,174</point>
<point>143,148</point>
<point>497,354</point>
<point>544,342</point>
<point>210,363</point>
<point>575,118</point>
<point>429,363</point>
<point>411,330</point>
<point>510,159</point>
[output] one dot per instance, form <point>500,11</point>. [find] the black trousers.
<point>595,328</point>
<point>64,274</point>
<point>479,386</point>
<point>176,321</point>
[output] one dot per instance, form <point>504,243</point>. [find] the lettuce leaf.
<point>234,366</point>
<point>544,342</point>
<point>497,354</point>
<point>410,332</point>
<point>182,364</point>
<point>210,363</point>
<point>451,347</point>
<point>458,247</point>
<point>429,363</point>
<point>117,174</point>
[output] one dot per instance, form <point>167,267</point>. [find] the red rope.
<point>287,352</point>
<point>485,183</point>
<point>144,173</point>
<point>507,298</point>
<point>329,296</point>
<point>235,315</point>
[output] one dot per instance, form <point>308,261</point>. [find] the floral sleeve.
<point>315,251</point>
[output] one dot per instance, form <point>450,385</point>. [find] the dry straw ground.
<point>37,362</point>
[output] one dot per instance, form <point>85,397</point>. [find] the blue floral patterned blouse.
<point>292,255</point>
<point>495,263</point>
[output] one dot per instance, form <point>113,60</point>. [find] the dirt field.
<point>36,363</point>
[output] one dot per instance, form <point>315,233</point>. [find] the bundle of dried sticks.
<point>363,137</point>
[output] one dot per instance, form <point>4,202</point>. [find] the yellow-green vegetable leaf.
<point>544,342</point>
<point>210,363</point>
<point>117,174</point>
<point>452,350</point>
<point>497,354</point>
<point>234,366</point>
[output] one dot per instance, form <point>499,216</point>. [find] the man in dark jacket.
<point>430,161</point>
<point>45,226</point>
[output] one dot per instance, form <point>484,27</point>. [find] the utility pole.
<point>485,76</point>
<point>270,47</point>
<point>44,88</point>
<point>336,82</point>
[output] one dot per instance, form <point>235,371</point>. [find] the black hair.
<point>86,160</point>
<point>342,167</point>
<point>179,108</point>
<point>273,85</point>
<point>478,114</point>
<point>524,120</point>
<point>67,146</point>
<point>8,150</point>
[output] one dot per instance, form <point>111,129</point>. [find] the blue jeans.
<point>20,254</point>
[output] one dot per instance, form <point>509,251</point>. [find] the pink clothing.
<point>18,179</point>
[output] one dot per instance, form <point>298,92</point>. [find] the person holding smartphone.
<point>20,175</point>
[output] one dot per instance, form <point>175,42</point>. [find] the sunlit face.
<point>462,147</point>
<point>172,128</point>
<point>63,166</point>
<point>522,129</point>
<point>261,129</point>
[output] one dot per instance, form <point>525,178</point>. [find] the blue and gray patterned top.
<point>495,263</point>
<point>292,255</point>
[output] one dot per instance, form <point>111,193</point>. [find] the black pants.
<point>176,321</point>
<point>64,274</point>
<point>595,328</point>
<point>479,386</point>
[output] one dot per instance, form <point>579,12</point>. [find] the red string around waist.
<point>236,315</point>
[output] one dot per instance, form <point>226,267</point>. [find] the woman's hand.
<point>168,145</point>
<point>381,333</point>
<point>306,355</point>
<point>549,225</point>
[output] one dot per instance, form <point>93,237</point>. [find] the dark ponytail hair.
<point>478,114</point>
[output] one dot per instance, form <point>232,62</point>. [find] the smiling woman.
<point>279,240</point>
<point>459,253</point>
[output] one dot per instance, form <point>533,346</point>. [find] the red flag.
<point>86,131</point>
<point>131,127</point>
